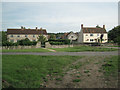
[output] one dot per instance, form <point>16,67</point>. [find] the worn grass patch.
<point>83,48</point>
<point>29,71</point>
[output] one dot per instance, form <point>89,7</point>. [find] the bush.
<point>26,42</point>
<point>59,41</point>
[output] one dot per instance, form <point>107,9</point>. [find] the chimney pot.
<point>81,26</point>
<point>104,26</point>
<point>21,27</point>
<point>36,28</point>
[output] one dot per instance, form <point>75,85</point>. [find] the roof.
<point>93,30</point>
<point>26,31</point>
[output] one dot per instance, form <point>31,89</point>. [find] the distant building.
<point>72,36</point>
<point>92,35</point>
<point>15,35</point>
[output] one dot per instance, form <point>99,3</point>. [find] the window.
<point>91,40</point>
<point>91,34</point>
<point>34,40</point>
<point>18,40</point>
<point>11,35</point>
<point>86,34</point>
<point>97,34</point>
<point>11,40</point>
<point>33,35</point>
<point>18,35</point>
<point>71,36</point>
<point>25,35</point>
<point>87,39</point>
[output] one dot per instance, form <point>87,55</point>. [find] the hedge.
<point>59,41</point>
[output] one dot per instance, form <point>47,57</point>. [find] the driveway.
<point>63,53</point>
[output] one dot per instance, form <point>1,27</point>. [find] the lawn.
<point>83,48</point>
<point>27,50</point>
<point>69,49</point>
<point>28,71</point>
<point>111,66</point>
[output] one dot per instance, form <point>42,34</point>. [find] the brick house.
<point>92,34</point>
<point>15,35</point>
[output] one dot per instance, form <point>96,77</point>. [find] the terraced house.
<point>15,35</point>
<point>92,34</point>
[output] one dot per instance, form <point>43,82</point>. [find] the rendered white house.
<point>92,34</point>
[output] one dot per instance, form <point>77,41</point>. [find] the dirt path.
<point>83,73</point>
<point>50,49</point>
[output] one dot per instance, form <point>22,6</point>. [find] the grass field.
<point>111,66</point>
<point>69,49</point>
<point>28,71</point>
<point>27,50</point>
<point>83,48</point>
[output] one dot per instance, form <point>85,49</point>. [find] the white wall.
<point>95,36</point>
<point>30,37</point>
<point>74,36</point>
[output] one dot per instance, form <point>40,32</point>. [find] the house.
<point>92,34</point>
<point>15,35</point>
<point>71,35</point>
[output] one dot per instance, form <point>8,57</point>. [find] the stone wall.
<point>38,45</point>
<point>48,45</point>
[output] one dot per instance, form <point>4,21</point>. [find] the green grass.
<point>29,71</point>
<point>83,48</point>
<point>113,46</point>
<point>76,80</point>
<point>27,50</point>
<point>111,66</point>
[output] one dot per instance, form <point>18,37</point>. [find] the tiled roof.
<point>26,31</point>
<point>93,30</point>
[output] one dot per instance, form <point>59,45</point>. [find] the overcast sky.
<point>59,16</point>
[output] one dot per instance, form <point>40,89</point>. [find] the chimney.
<point>81,26</point>
<point>36,28</point>
<point>41,28</point>
<point>22,28</point>
<point>103,26</point>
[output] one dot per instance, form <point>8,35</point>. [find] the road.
<point>62,53</point>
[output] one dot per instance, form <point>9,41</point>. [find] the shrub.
<point>59,41</point>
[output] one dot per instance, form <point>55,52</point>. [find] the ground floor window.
<point>11,40</point>
<point>91,40</point>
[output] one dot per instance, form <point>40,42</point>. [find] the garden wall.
<point>38,45</point>
<point>48,45</point>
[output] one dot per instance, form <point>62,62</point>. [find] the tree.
<point>52,36</point>
<point>42,39</point>
<point>114,35</point>
<point>101,37</point>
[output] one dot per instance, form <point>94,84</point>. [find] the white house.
<point>71,35</point>
<point>92,34</point>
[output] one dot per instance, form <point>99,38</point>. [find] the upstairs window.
<point>91,34</point>
<point>11,35</point>
<point>71,36</point>
<point>86,34</point>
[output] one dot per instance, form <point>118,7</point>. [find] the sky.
<point>59,16</point>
